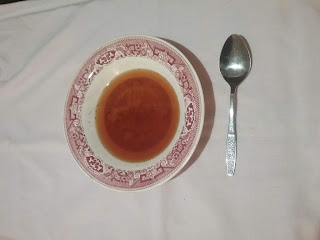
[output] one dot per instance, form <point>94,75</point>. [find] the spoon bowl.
<point>235,59</point>
<point>235,65</point>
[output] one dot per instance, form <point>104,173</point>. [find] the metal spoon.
<point>235,65</point>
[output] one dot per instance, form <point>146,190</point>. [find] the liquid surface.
<point>137,115</point>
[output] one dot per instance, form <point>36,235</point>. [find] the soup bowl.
<point>113,59</point>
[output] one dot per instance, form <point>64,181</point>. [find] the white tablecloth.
<point>275,193</point>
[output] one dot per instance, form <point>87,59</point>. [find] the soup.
<point>137,115</point>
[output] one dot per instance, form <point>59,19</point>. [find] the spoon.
<point>235,65</point>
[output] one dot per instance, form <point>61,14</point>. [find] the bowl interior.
<point>107,74</point>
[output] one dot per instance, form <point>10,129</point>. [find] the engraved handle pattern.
<point>231,154</point>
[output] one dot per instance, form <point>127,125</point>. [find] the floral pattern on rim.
<point>121,48</point>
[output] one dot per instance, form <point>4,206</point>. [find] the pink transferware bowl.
<point>105,64</point>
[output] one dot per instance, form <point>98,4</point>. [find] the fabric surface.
<point>275,193</point>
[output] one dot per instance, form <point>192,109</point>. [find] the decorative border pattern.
<point>162,53</point>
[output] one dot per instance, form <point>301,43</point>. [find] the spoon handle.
<point>231,155</point>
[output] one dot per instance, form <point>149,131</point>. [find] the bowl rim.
<point>186,159</point>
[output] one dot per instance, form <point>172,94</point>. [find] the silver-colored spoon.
<point>235,65</point>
